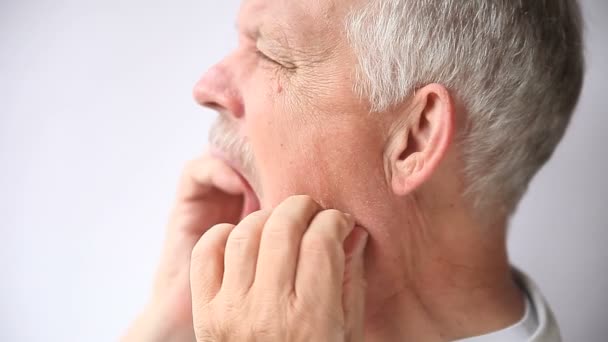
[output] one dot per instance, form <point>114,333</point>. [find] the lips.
<point>251,201</point>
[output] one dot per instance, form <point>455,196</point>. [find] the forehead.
<point>300,20</point>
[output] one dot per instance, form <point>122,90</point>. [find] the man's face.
<point>290,121</point>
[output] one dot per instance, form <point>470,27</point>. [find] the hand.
<point>209,192</point>
<point>287,275</point>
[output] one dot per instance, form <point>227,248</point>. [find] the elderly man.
<point>362,172</point>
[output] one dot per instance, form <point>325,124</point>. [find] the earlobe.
<point>423,139</point>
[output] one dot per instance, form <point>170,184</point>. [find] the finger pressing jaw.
<point>321,259</point>
<point>241,255</point>
<point>207,264</point>
<point>280,241</point>
<point>354,283</point>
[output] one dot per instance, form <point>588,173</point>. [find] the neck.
<point>450,279</point>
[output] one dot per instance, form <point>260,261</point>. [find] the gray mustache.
<point>224,136</point>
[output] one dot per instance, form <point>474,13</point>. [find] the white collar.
<point>537,325</point>
<point>520,331</point>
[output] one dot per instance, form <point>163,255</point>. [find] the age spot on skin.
<point>278,87</point>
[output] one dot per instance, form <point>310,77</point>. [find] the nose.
<point>217,90</point>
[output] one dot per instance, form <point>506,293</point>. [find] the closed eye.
<point>266,58</point>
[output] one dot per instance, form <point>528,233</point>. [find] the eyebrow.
<point>276,41</point>
<point>258,34</point>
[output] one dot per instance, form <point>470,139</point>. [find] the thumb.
<point>353,297</point>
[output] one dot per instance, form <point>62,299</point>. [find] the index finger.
<point>279,245</point>
<point>322,260</point>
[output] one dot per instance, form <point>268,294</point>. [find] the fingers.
<point>209,192</point>
<point>321,258</point>
<point>299,250</point>
<point>204,173</point>
<point>241,253</point>
<point>207,264</point>
<point>353,297</point>
<point>277,259</point>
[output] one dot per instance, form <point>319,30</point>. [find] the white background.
<point>96,121</point>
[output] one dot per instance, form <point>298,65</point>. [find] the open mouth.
<point>251,201</point>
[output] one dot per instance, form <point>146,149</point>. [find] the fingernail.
<point>362,241</point>
<point>350,218</point>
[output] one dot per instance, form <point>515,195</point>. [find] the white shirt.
<point>537,325</point>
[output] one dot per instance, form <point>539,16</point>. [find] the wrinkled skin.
<point>290,124</point>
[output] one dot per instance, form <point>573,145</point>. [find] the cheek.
<point>300,148</point>
<point>330,162</point>
<point>285,153</point>
<point>283,141</point>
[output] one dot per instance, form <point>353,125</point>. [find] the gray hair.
<point>515,65</point>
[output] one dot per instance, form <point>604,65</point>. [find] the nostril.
<point>217,90</point>
<point>212,105</point>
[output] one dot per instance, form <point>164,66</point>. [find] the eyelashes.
<point>266,58</point>
<point>285,66</point>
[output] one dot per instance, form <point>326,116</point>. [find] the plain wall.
<point>96,121</point>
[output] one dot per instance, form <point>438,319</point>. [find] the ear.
<point>421,142</point>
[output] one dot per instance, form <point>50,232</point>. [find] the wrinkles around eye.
<point>284,65</point>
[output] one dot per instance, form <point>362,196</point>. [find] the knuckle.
<point>305,201</point>
<point>199,251</point>
<point>258,215</point>
<point>221,226</point>
<point>238,237</point>
<point>265,322</point>
<point>209,330</point>
<point>300,198</point>
<point>282,226</point>
<point>207,245</point>
<point>290,216</point>
<point>321,244</point>
<point>281,221</point>
<point>221,321</point>
<point>228,308</point>
<point>312,311</point>
<point>261,328</point>
<point>333,217</point>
